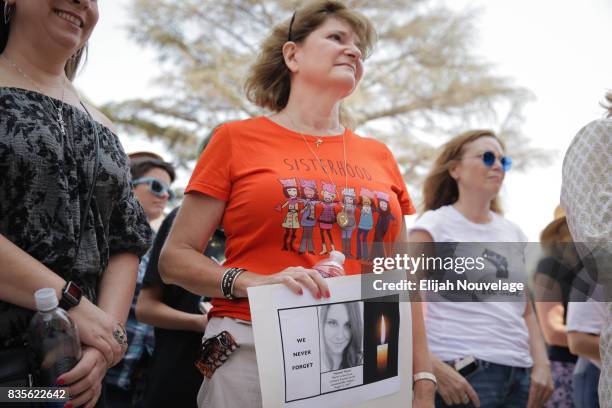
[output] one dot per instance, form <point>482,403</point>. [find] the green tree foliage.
<point>423,83</point>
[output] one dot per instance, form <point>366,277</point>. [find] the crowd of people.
<point>269,197</point>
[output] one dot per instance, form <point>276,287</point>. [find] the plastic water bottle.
<point>53,338</point>
<point>332,266</point>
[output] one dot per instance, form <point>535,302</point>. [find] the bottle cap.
<point>337,256</point>
<point>46,299</point>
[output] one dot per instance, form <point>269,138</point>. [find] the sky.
<point>559,50</point>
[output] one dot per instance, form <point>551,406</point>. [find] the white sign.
<point>337,352</point>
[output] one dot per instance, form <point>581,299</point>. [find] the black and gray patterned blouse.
<point>44,181</point>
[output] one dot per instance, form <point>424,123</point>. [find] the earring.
<point>8,12</point>
<point>77,54</point>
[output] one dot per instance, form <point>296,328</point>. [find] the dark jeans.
<point>585,381</point>
<point>497,386</point>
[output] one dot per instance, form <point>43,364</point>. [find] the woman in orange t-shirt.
<point>285,189</point>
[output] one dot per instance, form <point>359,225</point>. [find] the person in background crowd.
<point>584,323</point>
<point>55,152</point>
<point>305,69</point>
<point>501,340</point>
<point>173,379</point>
<point>586,197</point>
<point>553,282</point>
<point>126,382</point>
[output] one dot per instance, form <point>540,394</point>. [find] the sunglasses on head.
<point>489,158</point>
<point>156,187</point>
<point>327,9</point>
<point>289,36</point>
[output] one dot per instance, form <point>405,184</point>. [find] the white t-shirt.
<point>588,317</point>
<point>491,331</point>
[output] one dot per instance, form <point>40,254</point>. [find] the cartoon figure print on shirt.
<point>309,200</point>
<point>366,222</point>
<point>348,207</point>
<point>382,224</point>
<point>309,204</point>
<point>291,222</point>
<point>328,215</point>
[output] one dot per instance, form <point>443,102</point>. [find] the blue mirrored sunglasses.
<point>157,187</point>
<point>488,158</point>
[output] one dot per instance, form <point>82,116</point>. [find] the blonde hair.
<point>440,188</point>
<point>269,80</point>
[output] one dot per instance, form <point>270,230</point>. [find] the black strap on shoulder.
<point>85,210</point>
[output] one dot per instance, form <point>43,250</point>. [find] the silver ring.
<point>120,336</point>
<point>466,399</point>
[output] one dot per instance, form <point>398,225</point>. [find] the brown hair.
<point>440,188</point>
<point>608,104</point>
<point>556,231</point>
<point>269,81</point>
<point>556,241</point>
<point>142,162</point>
<point>72,65</point>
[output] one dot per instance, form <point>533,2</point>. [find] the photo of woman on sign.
<point>341,328</point>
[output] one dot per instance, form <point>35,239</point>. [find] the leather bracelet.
<point>227,282</point>
<point>424,375</point>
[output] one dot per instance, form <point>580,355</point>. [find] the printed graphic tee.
<point>490,331</point>
<point>285,193</point>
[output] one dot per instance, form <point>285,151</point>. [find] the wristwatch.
<point>71,296</point>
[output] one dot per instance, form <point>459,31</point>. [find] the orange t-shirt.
<point>281,206</point>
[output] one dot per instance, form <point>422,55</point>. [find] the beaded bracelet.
<point>227,282</point>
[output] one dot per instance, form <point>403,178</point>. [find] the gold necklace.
<point>342,218</point>
<point>58,109</point>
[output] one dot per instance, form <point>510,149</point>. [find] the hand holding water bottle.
<point>85,380</point>
<point>53,338</point>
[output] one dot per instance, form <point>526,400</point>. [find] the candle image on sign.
<point>382,350</point>
<point>382,322</point>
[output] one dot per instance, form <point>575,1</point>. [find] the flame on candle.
<point>382,330</point>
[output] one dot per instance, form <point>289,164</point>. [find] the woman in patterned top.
<point>48,155</point>
<point>585,197</point>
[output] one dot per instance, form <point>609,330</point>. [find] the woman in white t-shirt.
<point>496,345</point>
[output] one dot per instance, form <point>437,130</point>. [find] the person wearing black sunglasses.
<point>480,348</point>
<point>173,379</point>
<point>151,179</point>
<point>126,382</point>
